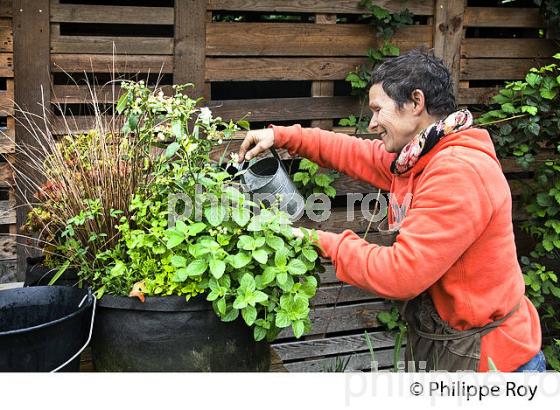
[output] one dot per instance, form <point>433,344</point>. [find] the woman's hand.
<point>261,139</point>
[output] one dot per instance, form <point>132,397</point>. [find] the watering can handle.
<point>273,150</point>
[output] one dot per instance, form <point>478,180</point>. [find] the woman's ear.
<point>418,101</point>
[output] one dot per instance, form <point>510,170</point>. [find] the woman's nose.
<point>373,124</point>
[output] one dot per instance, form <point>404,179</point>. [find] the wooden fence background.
<point>241,61</point>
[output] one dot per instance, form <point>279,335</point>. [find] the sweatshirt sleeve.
<point>366,160</point>
<point>449,212</point>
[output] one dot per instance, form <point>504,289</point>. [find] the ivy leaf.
<point>197,267</point>
<point>217,268</point>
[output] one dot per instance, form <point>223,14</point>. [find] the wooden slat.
<point>502,17</point>
<point>357,362</point>
<point>6,175</point>
<point>8,271</point>
<point>6,103</point>
<point>6,8</point>
<point>333,345</point>
<point>452,36</point>
<point>79,94</point>
<point>190,45</point>
<point>476,95</point>
<point>6,35</point>
<point>286,108</point>
<point>7,212</point>
<point>104,45</point>
<point>265,39</point>
<point>7,247</point>
<point>99,63</point>
<point>32,33</point>
<point>6,64</point>
<point>284,69</point>
<point>498,68</point>
<point>90,13</point>
<point>345,318</point>
<point>418,7</point>
<point>440,27</point>
<point>327,295</point>
<point>508,48</point>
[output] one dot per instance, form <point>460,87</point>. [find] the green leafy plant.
<point>393,321</point>
<point>386,24</point>
<point>141,241</point>
<point>309,180</point>
<point>524,121</point>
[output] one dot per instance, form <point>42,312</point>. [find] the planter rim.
<point>156,303</point>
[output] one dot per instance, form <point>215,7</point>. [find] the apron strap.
<point>470,332</point>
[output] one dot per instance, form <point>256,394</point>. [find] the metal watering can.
<point>266,179</point>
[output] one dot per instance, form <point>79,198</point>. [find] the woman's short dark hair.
<point>400,76</point>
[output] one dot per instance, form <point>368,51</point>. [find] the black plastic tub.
<point>42,327</point>
<point>168,334</point>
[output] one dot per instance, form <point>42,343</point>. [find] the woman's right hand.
<point>261,139</point>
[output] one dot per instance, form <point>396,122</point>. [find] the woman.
<point>454,260</point>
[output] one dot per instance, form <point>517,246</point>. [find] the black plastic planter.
<point>168,334</point>
<point>43,327</point>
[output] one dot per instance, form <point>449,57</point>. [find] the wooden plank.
<point>280,69</point>
<point>418,7</point>
<point>110,45</point>
<point>79,94</point>
<point>300,39</point>
<point>6,174</point>
<point>7,212</point>
<point>99,63</point>
<point>6,65</point>
<point>476,95</point>
<point>7,102</point>
<point>303,349</point>
<point>440,27</point>
<point>498,68</point>
<point>345,318</point>
<point>356,362</point>
<point>7,247</point>
<point>452,36</point>
<point>6,35</point>
<point>286,108</point>
<point>6,8</point>
<point>90,13</point>
<point>331,294</point>
<point>9,272</point>
<point>31,67</point>
<point>190,45</point>
<point>502,17</point>
<point>508,48</point>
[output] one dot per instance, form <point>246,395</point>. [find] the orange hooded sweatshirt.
<point>456,240</point>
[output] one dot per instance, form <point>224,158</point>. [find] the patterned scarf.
<point>425,140</point>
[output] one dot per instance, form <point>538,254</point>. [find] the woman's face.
<point>395,126</point>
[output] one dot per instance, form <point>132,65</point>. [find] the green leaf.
<point>310,254</point>
<point>280,258</point>
<point>231,315</point>
<point>260,296</point>
<point>246,242</point>
<point>178,130</point>
<point>275,242</point>
<point>197,267</point>
<point>296,267</point>
<point>172,149</point>
<point>244,124</point>
<point>239,260</point>
<point>65,266</point>
<point>249,314</point>
<point>533,79</point>
<point>282,319</point>
<point>322,180</point>
<point>260,256</point>
<point>281,277</point>
<point>217,268</point>
<point>215,214</point>
<point>269,274</point>
<point>529,109</point>
<point>298,328</point>
<point>241,215</point>
<point>221,305</point>
<point>196,228</point>
<point>174,238</point>
<point>121,104</point>
<point>178,261</point>
<point>259,333</point>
